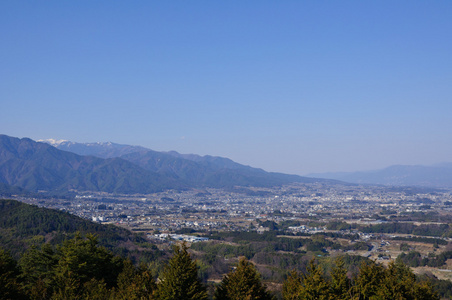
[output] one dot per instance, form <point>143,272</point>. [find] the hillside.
<point>203,173</point>
<point>23,225</point>
<point>7,190</point>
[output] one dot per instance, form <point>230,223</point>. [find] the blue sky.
<point>288,86</point>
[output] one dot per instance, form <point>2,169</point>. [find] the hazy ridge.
<point>37,166</point>
<point>435,176</point>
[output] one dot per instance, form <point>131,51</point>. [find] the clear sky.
<point>288,86</point>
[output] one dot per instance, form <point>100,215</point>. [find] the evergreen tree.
<point>179,280</point>
<point>311,286</point>
<point>315,286</point>
<point>96,290</point>
<point>340,283</point>
<point>37,271</point>
<point>292,286</point>
<point>135,284</point>
<point>399,283</point>
<point>369,280</point>
<point>244,283</point>
<point>80,261</point>
<point>9,286</point>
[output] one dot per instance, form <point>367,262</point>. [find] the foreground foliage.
<point>180,278</point>
<point>80,268</point>
<point>242,283</point>
<point>397,282</point>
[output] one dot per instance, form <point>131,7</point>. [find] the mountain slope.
<point>7,190</point>
<point>191,169</point>
<point>436,176</point>
<point>38,166</point>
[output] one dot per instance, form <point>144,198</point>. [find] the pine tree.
<point>399,283</point>
<point>292,286</point>
<point>96,290</point>
<point>9,287</point>
<point>242,283</point>
<point>80,261</point>
<point>179,280</point>
<point>37,267</point>
<point>369,280</point>
<point>135,284</point>
<point>340,283</point>
<point>315,286</point>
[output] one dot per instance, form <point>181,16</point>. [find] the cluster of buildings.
<point>217,209</point>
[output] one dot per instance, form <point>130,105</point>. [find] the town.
<point>241,209</point>
<point>337,218</point>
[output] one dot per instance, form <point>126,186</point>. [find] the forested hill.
<point>23,225</point>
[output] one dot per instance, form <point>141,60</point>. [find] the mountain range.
<point>195,170</point>
<point>60,167</point>
<point>434,176</point>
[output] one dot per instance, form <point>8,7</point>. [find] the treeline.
<point>409,228</point>
<point>81,269</point>
<point>270,241</point>
<point>434,230</point>
<point>415,259</point>
<point>424,240</point>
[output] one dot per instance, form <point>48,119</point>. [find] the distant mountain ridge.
<point>192,169</point>
<point>112,150</point>
<point>102,150</point>
<point>435,176</point>
<point>36,166</point>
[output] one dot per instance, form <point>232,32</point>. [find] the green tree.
<point>311,286</point>
<point>315,286</point>
<point>399,283</point>
<point>242,283</point>
<point>180,280</point>
<point>340,283</point>
<point>37,271</point>
<point>135,284</point>
<point>80,261</point>
<point>9,286</point>
<point>369,280</point>
<point>96,290</point>
<point>292,286</point>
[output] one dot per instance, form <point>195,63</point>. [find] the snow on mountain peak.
<point>53,142</point>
